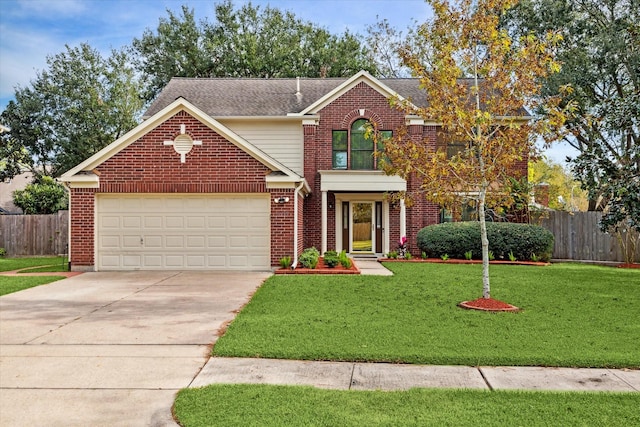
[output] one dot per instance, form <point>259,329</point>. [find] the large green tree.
<point>249,41</point>
<point>477,81</point>
<point>72,109</point>
<point>600,56</point>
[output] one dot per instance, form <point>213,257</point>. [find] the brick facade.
<point>149,166</point>
<point>361,102</point>
<point>217,166</point>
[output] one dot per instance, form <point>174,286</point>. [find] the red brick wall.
<point>82,227</point>
<point>149,166</point>
<point>340,114</point>
<point>282,225</point>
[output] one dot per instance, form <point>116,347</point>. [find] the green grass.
<point>573,315</point>
<point>362,245</point>
<point>9,284</point>
<point>261,405</point>
<point>13,284</point>
<point>9,264</point>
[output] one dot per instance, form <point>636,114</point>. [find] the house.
<point>7,188</point>
<point>237,173</point>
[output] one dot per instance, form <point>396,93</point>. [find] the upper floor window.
<point>355,149</point>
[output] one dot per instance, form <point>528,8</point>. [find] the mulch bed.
<point>629,265</point>
<point>488,304</point>
<point>321,268</point>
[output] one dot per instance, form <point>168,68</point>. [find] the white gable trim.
<point>349,84</point>
<point>160,117</point>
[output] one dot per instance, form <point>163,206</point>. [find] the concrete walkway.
<point>111,349</point>
<point>386,376</point>
<point>371,267</point>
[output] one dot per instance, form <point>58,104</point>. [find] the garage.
<point>184,231</point>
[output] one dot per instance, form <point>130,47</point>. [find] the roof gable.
<point>346,86</point>
<point>76,174</point>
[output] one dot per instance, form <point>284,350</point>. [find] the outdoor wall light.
<point>279,200</point>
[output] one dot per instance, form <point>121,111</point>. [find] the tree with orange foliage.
<point>478,81</point>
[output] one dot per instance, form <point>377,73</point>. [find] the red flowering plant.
<point>402,247</point>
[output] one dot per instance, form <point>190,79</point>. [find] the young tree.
<point>477,81</point>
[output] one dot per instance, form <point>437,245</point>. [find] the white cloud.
<point>49,8</point>
<point>21,54</point>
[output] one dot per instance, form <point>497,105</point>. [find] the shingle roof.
<point>224,97</point>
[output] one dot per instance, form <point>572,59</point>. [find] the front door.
<point>362,214</point>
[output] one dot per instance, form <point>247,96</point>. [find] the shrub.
<point>331,259</point>
<point>392,255</point>
<point>43,196</point>
<point>456,238</point>
<point>344,259</point>
<point>3,252</point>
<point>285,262</point>
<point>309,258</point>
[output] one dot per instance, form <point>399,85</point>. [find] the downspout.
<point>68,248</point>
<point>295,225</point>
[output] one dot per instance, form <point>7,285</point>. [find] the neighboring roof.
<point>225,97</point>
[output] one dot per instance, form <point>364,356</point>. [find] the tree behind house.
<point>600,56</point>
<point>78,105</point>
<point>246,42</point>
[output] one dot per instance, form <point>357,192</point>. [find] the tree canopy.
<point>477,81</point>
<point>565,193</point>
<point>71,110</point>
<point>246,42</point>
<point>600,56</point>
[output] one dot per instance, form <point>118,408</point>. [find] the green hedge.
<point>456,238</point>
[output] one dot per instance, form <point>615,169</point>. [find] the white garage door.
<point>167,232</point>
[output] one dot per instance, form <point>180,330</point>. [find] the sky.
<point>32,29</point>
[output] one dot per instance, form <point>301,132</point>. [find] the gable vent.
<point>182,144</point>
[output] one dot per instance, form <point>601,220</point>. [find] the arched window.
<point>355,149</point>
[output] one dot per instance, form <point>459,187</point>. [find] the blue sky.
<point>32,29</point>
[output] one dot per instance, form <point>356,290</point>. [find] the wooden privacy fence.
<point>28,235</point>
<point>578,237</point>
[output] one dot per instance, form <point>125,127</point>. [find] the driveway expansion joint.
<point>484,377</point>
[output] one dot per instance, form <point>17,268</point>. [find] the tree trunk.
<point>486,288</point>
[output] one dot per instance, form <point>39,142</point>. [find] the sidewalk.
<point>387,376</point>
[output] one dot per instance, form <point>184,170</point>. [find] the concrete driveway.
<point>111,349</point>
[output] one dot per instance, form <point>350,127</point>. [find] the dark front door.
<point>345,227</point>
<point>378,227</point>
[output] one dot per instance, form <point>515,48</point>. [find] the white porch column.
<point>324,222</point>
<point>403,219</point>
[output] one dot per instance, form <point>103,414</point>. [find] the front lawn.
<point>573,315</point>
<point>262,405</point>
<point>9,264</point>
<point>10,284</point>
